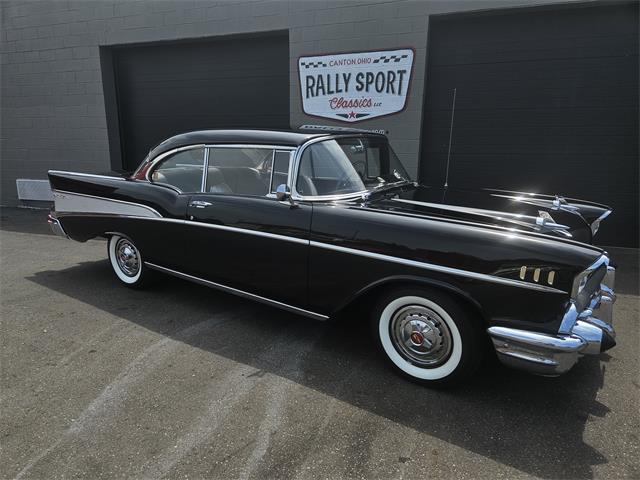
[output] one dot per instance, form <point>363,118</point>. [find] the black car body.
<point>314,221</point>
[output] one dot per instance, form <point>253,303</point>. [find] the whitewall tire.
<point>427,335</point>
<point>126,261</point>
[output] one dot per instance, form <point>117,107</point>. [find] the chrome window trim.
<point>205,170</point>
<point>249,145</point>
<point>322,198</point>
<point>273,148</point>
<point>273,167</point>
<point>289,167</point>
<point>238,292</point>
<point>154,165</point>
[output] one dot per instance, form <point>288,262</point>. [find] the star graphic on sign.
<point>352,114</point>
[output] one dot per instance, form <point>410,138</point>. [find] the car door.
<point>240,235</point>
<point>175,177</point>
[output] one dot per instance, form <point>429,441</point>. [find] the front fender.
<point>397,280</point>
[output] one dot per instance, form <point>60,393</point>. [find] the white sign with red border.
<point>352,87</point>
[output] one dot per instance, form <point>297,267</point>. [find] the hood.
<point>570,219</point>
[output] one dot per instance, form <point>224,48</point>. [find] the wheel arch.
<point>370,291</point>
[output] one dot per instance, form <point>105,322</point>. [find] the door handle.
<point>200,204</point>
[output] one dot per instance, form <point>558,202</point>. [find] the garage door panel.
<point>546,98</point>
<point>170,88</point>
<point>544,34</point>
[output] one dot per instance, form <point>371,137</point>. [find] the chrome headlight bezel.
<point>586,278</point>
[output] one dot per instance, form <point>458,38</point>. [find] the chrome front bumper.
<point>56,226</point>
<point>582,333</point>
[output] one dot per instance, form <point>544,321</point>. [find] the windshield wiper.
<point>386,189</point>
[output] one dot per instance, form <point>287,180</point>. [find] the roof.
<point>285,138</point>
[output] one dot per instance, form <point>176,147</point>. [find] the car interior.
<point>234,171</point>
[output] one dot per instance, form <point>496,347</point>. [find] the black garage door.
<point>165,89</point>
<point>547,100</point>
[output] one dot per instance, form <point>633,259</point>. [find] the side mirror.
<point>283,193</point>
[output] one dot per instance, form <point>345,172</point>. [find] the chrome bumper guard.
<point>56,226</point>
<point>589,332</point>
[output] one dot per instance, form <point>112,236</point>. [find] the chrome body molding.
<point>439,268</point>
<point>68,202</point>
<point>240,293</point>
<point>257,233</point>
<point>377,256</point>
<point>88,175</point>
<point>586,332</point>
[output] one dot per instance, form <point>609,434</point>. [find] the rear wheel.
<point>126,261</point>
<point>428,336</point>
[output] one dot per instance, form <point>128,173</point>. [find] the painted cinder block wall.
<point>53,111</point>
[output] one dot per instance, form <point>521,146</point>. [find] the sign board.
<point>352,87</point>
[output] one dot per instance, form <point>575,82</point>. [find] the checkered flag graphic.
<point>313,64</point>
<point>391,58</point>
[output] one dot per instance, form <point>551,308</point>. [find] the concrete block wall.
<point>52,105</point>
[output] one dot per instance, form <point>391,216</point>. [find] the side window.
<point>182,170</point>
<point>239,171</point>
<point>374,162</point>
<point>281,160</point>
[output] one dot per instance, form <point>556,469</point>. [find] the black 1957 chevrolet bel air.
<point>312,222</point>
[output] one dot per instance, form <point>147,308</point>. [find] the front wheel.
<point>428,336</point>
<point>126,261</point>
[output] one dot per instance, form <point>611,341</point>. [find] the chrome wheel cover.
<point>127,257</point>
<point>421,336</point>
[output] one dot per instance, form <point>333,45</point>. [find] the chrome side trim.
<point>377,256</point>
<point>81,202</point>
<point>240,293</point>
<point>90,175</point>
<point>439,268</point>
<point>227,228</point>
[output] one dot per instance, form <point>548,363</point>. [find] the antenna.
<point>453,110</point>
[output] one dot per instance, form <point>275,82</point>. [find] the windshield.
<point>348,165</point>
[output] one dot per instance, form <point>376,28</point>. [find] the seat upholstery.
<point>306,186</point>
<point>216,182</point>
<point>245,181</point>
<point>187,179</point>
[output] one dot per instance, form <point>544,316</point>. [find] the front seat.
<point>305,186</point>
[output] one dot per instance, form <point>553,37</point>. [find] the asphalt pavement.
<point>100,381</point>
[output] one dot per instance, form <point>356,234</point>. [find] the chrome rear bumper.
<point>589,332</point>
<point>56,226</point>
